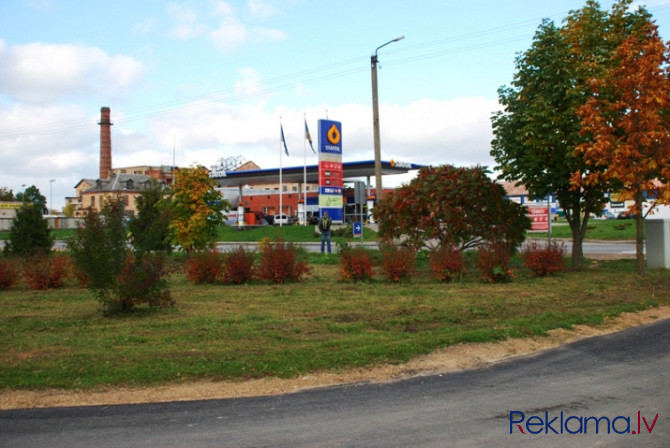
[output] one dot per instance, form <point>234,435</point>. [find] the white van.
<point>283,219</point>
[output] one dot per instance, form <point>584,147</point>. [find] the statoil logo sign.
<point>554,423</point>
<point>330,137</point>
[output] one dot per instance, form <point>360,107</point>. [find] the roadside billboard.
<point>539,217</point>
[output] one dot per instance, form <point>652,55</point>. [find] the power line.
<point>306,77</point>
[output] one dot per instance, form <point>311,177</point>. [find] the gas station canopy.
<point>295,174</point>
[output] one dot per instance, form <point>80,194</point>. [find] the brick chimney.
<point>105,143</point>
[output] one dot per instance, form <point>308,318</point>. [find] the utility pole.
<point>375,121</point>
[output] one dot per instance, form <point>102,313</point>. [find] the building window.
<point>92,201</point>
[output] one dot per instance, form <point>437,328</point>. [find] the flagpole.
<point>304,173</point>
<point>281,184</point>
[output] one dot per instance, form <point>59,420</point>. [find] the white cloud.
<point>260,10</point>
<point>43,73</point>
<point>248,83</point>
<point>223,26</point>
<point>263,35</point>
<point>424,132</point>
<point>146,26</point>
<point>187,24</point>
<point>230,34</point>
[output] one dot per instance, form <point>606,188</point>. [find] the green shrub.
<point>99,250</point>
<point>118,278</point>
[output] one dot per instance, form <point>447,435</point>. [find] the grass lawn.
<point>598,229</point>
<point>61,339</point>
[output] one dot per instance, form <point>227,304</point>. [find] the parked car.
<point>606,214</point>
<point>627,214</point>
<point>285,220</point>
<point>313,219</point>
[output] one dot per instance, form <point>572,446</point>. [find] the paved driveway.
<point>610,377</point>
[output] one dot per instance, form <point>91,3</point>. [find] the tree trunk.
<point>577,250</point>
<point>639,238</point>
<point>577,236</point>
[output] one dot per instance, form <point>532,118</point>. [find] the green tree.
<point>538,131</point>
<point>456,207</point>
<point>29,233</point>
<point>32,195</point>
<point>196,209</point>
<point>68,210</point>
<point>118,278</point>
<point>99,249</point>
<point>6,195</point>
<point>149,229</point>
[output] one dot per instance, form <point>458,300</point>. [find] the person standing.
<point>324,227</point>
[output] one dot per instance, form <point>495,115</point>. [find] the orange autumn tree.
<point>196,209</point>
<point>628,120</point>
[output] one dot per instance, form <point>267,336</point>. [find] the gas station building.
<point>301,199</point>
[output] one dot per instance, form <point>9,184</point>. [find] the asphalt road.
<point>612,376</point>
<point>622,249</point>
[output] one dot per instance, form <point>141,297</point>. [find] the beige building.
<point>91,194</point>
<point>8,209</point>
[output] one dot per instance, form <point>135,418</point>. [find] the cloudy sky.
<point>209,79</point>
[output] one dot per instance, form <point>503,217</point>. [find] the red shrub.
<point>9,274</point>
<point>143,281</point>
<point>544,260</point>
<point>238,266</point>
<point>279,262</point>
<point>398,262</point>
<point>493,262</point>
<point>355,264</point>
<point>46,271</point>
<point>447,262</point>
<point>204,267</point>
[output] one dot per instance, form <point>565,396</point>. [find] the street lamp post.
<point>375,120</point>
<point>51,195</point>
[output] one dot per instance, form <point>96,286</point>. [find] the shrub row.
<point>37,272</point>
<point>493,262</point>
<point>279,263</point>
<point>144,280</point>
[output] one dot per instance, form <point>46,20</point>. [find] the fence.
<point>55,222</point>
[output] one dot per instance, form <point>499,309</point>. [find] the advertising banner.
<point>539,216</point>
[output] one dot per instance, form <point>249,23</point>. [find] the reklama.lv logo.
<point>562,424</point>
